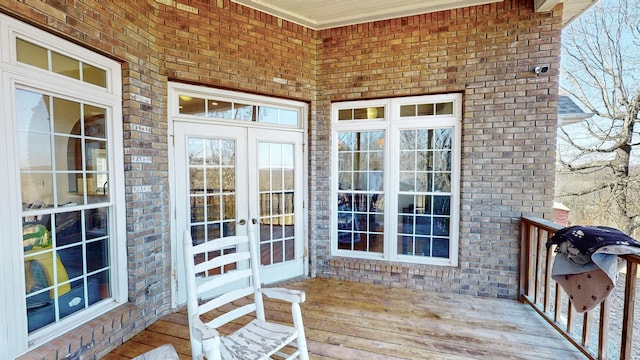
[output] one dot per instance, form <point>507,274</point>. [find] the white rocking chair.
<point>259,339</point>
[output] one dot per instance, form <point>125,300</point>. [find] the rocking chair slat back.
<point>227,270</point>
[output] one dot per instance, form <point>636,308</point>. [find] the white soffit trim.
<point>574,8</point>
<point>571,10</point>
<point>545,5</point>
<point>326,14</point>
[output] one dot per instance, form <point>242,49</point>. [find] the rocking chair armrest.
<point>202,331</point>
<point>288,295</point>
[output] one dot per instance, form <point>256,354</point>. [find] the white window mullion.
<point>391,187</point>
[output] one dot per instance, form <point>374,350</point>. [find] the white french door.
<point>227,175</point>
<point>275,189</point>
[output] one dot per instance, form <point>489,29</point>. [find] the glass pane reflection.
<point>35,151</point>
<point>277,184</point>
<point>38,56</point>
<point>63,266</point>
<point>191,106</point>
<point>64,65</point>
<point>94,75</point>
<point>220,109</point>
<point>65,115</point>
<point>422,214</point>
<point>32,54</point>
<point>212,188</point>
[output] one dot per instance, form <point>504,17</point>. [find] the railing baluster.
<point>538,268</point>
<point>627,320</point>
<point>587,323</point>
<point>558,305</point>
<point>547,284</point>
<point>532,262</point>
<point>524,258</point>
<point>603,334</point>
<point>571,317</point>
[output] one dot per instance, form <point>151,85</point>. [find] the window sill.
<point>88,337</point>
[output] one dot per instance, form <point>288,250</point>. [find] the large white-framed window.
<point>396,179</point>
<point>63,219</point>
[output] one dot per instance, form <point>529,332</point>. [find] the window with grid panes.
<point>64,129</point>
<point>396,183</point>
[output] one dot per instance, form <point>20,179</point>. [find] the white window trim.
<point>14,339</point>
<point>392,129</point>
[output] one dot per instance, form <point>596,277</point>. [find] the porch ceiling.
<point>334,13</point>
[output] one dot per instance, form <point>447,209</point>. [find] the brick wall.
<point>124,31</point>
<point>215,43</point>
<point>229,46</point>
<point>485,52</point>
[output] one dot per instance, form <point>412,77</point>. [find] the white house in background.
<point>569,112</point>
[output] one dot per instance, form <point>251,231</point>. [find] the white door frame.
<point>175,89</point>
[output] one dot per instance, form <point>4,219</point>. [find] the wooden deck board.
<point>346,320</point>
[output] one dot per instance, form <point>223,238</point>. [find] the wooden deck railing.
<point>595,333</point>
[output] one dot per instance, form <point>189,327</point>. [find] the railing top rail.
<point>542,223</point>
<point>550,226</point>
<point>631,258</point>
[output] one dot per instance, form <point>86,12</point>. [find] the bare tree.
<point>601,69</point>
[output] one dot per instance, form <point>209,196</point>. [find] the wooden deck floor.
<point>346,320</point>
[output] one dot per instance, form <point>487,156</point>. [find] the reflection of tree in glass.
<point>442,159</point>
<point>407,153</point>
<point>442,139</point>
<point>210,159</point>
<point>212,152</point>
<point>243,112</point>
<point>228,152</point>
<point>346,141</point>
<point>212,180</point>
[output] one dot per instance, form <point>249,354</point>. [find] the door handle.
<point>242,221</point>
<point>254,221</point>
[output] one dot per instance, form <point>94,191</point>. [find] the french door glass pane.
<point>276,184</point>
<point>360,191</point>
<point>425,192</point>
<point>211,187</point>
<point>212,192</point>
<point>65,243</point>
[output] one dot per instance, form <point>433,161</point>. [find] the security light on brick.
<point>541,69</point>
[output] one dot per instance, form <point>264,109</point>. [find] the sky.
<point>629,46</point>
